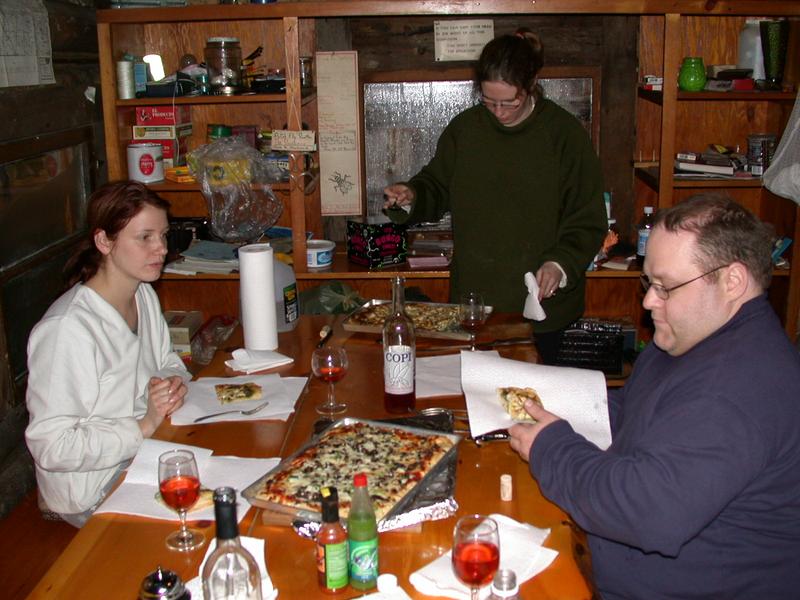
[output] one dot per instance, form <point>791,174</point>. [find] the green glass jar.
<point>692,76</point>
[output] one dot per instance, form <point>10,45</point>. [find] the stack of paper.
<point>205,256</point>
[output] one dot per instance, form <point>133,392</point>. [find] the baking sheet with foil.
<point>403,122</point>
<point>430,499</point>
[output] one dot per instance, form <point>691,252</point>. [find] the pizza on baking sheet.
<point>393,459</point>
<point>427,317</point>
<point>228,393</point>
<point>513,401</point>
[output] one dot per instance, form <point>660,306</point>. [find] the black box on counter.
<point>376,245</point>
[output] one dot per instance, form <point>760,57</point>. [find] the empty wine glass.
<point>329,363</point>
<point>472,315</point>
<point>179,483</point>
<point>476,551</point>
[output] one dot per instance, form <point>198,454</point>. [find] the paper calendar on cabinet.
<point>339,133</point>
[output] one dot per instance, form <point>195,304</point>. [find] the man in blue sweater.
<point>698,495</point>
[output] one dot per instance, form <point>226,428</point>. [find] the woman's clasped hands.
<point>164,397</point>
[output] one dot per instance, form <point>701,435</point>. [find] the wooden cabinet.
<point>666,122</point>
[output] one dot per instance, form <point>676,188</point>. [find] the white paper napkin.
<point>250,361</point>
<point>254,546</point>
<point>440,375</point>
<point>521,551</point>
<point>137,494</point>
<point>201,399</point>
<point>533,308</point>
<point>577,395</point>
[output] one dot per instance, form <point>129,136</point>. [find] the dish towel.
<point>533,308</point>
<point>254,546</point>
<point>251,361</point>
<point>520,550</point>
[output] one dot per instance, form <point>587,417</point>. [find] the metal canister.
<point>215,131</point>
<point>163,584</point>
<point>145,162</point>
<point>760,149</point>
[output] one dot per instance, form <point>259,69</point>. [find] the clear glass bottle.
<point>231,572</point>
<point>362,534</point>
<point>399,353</point>
<point>332,554</point>
<point>645,226</point>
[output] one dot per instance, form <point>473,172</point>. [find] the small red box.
<point>163,115</point>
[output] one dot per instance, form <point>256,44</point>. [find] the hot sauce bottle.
<point>332,550</point>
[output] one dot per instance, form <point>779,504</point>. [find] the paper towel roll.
<point>257,297</point>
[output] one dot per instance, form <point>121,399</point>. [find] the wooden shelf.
<point>249,98</point>
<point>650,176</point>
<point>172,186</point>
<point>657,97</point>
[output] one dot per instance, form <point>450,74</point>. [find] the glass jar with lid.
<point>224,62</point>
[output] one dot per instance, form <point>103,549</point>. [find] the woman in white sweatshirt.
<point>102,375</point>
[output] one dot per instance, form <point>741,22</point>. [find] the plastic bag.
<point>782,177</point>
<point>330,299</point>
<point>234,178</point>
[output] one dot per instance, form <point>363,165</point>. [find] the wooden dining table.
<point>111,555</point>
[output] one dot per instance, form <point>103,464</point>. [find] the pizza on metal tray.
<point>427,317</point>
<point>393,459</point>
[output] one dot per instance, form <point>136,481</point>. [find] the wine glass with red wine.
<point>476,551</point>
<point>472,315</point>
<point>179,483</point>
<point>329,363</point>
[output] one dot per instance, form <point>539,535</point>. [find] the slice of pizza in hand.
<point>513,401</point>
<point>228,393</point>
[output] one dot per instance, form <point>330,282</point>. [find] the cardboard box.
<point>182,326</point>
<point>163,115</point>
<point>376,245</point>
<point>161,132</point>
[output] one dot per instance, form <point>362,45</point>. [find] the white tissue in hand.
<point>533,309</point>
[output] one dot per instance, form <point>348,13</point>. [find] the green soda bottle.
<point>362,533</point>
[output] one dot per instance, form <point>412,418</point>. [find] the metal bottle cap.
<point>163,584</point>
<point>504,584</point>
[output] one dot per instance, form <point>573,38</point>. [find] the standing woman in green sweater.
<point>520,177</point>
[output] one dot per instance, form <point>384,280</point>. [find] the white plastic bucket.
<point>145,162</point>
<point>319,253</point>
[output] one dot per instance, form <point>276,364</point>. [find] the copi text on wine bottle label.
<point>398,369</point>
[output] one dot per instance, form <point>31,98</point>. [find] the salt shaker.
<point>163,584</point>
<point>504,585</point>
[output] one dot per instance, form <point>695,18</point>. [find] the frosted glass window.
<point>403,121</point>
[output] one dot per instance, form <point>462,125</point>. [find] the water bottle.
<point>645,226</point>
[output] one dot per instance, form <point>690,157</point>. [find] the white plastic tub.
<point>319,253</point>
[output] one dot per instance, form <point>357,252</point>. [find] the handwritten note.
<point>461,40</point>
<point>293,141</point>
<point>339,133</point>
